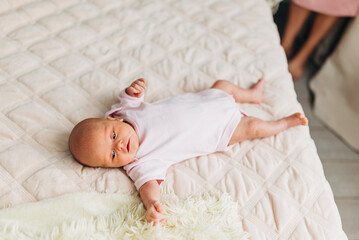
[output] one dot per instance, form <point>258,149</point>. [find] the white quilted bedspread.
<point>65,60</point>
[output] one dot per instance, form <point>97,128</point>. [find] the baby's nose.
<point>120,145</point>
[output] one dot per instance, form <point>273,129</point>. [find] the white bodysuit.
<point>176,128</point>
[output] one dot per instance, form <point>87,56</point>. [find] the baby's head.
<point>98,142</point>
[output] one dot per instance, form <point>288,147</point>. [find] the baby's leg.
<point>253,95</point>
<point>250,127</point>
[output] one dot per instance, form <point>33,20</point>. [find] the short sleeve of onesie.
<point>146,171</point>
<point>126,102</point>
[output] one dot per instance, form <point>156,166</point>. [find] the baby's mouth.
<point>128,145</point>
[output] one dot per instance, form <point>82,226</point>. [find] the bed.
<point>65,60</point>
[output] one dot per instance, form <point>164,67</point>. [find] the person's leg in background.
<point>321,26</point>
<point>296,18</point>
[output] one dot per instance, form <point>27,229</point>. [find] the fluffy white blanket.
<point>89,215</point>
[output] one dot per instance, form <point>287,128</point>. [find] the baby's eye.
<point>113,154</point>
<point>113,135</point>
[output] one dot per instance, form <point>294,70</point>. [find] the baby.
<point>147,138</point>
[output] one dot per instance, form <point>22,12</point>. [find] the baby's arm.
<point>131,97</point>
<point>136,88</point>
<point>151,196</point>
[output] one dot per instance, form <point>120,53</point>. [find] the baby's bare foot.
<point>296,119</point>
<point>257,91</point>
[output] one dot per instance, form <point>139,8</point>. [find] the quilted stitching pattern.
<point>65,60</point>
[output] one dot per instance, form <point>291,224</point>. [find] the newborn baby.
<point>147,138</point>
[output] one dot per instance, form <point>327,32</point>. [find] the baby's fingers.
<point>160,219</point>
<point>141,83</point>
<point>131,90</point>
<point>153,216</point>
<point>158,207</point>
<point>137,87</point>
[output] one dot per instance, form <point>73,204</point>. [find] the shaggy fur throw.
<point>116,216</point>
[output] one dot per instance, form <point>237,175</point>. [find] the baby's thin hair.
<point>78,135</point>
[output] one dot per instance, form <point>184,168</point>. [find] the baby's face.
<point>112,143</point>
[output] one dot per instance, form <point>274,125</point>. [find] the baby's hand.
<point>137,88</point>
<point>154,213</point>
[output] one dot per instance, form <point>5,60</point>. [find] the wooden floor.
<point>341,165</point>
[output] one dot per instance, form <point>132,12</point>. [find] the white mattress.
<point>65,60</point>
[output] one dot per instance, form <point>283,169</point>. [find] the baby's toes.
<point>304,121</point>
